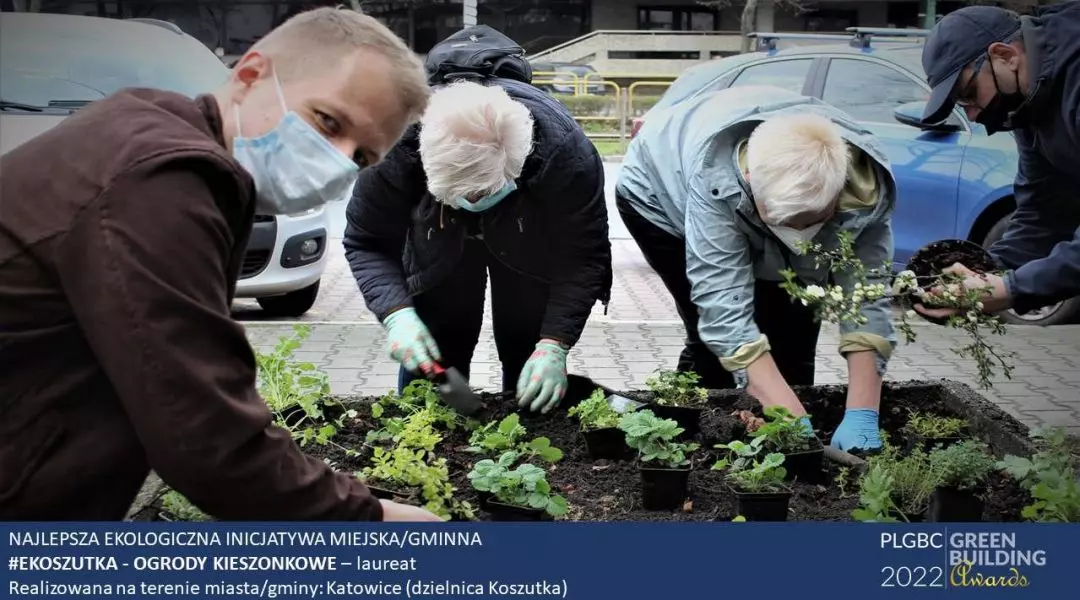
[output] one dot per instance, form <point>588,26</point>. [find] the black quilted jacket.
<point>401,242</point>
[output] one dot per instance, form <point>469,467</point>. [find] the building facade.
<point>233,25</point>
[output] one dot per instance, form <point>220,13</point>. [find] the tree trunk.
<point>747,23</point>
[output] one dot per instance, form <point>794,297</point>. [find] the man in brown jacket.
<point>121,234</point>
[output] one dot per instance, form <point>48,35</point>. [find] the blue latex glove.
<point>409,341</point>
<point>805,422</point>
<point>542,382</point>
<point>858,431</point>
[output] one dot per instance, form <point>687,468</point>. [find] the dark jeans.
<point>454,311</point>
<point>791,327</point>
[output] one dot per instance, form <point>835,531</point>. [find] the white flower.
<point>910,314</point>
<point>979,305</point>
<point>815,291</point>
<point>973,316</point>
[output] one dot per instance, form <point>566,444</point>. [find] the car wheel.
<point>293,304</point>
<point>1056,314</point>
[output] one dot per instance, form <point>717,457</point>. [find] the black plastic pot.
<point>510,512</point>
<point>687,418</point>
<point>951,505</point>
<point>805,466</point>
<point>929,443</point>
<point>384,493</point>
<point>609,443</point>
<point>917,517</point>
<point>664,489</point>
<point>762,506</point>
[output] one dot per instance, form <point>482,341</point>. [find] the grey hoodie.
<point>682,173</point>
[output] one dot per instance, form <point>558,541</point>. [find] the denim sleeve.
<point>721,275</point>
<point>874,248</point>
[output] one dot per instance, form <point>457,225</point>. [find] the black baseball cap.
<point>956,40</point>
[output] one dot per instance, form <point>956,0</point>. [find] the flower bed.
<point>609,490</point>
<point>673,453</point>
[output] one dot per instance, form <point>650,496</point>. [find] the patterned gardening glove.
<point>409,341</point>
<point>858,431</point>
<point>542,383</point>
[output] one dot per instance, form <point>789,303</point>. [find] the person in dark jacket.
<point>122,231</point>
<point>1019,73</point>
<point>498,179</point>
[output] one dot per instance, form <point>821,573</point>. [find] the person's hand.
<point>995,298</point>
<point>410,342</point>
<point>542,382</point>
<point>392,511</point>
<point>858,431</point>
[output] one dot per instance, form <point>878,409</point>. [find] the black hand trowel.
<point>455,391</point>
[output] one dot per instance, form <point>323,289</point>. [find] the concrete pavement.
<point>641,333</point>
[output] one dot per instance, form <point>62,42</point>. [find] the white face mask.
<point>792,237</point>
<point>294,167</point>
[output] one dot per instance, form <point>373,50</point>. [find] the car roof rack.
<point>862,35</point>
<point>767,39</point>
<point>173,27</point>
<point>859,38</point>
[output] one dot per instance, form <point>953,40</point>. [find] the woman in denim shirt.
<point>718,191</point>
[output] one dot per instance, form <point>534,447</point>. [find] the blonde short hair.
<point>474,139</point>
<point>798,165</point>
<point>314,40</point>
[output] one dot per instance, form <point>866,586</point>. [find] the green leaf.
<point>557,506</point>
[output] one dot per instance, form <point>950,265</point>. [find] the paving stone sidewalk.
<point>637,293</point>
<point>621,355</point>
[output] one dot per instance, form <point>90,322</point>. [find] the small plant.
<point>595,412</point>
<point>962,466</point>
<point>524,486</point>
<point>740,454</point>
<point>843,480</point>
<point>914,477</point>
<point>931,426</point>
<point>674,388</point>
<point>298,393</point>
<point>876,503</point>
<point>844,304</point>
<point>179,508</point>
<point>654,439</point>
<point>392,410</point>
<point>1049,476</point>
<point>404,468</point>
<point>509,434</point>
<point>764,476</point>
<point>783,431</point>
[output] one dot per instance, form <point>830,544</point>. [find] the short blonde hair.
<point>798,165</point>
<point>474,139</point>
<point>314,40</point>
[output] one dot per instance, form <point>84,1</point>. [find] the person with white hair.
<point>719,192</point>
<point>497,180</point>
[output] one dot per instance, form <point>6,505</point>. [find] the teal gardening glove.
<point>858,431</point>
<point>410,342</point>
<point>542,382</point>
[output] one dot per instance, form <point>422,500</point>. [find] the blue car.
<point>955,181</point>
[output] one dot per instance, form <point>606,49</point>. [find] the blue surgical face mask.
<point>488,201</point>
<point>294,167</point>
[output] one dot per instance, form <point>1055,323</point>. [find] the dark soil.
<point>605,490</point>
<point>933,258</point>
<point>929,261</point>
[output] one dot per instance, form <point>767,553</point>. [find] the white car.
<point>52,64</point>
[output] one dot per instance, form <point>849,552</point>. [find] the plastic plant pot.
<point>664,489</point>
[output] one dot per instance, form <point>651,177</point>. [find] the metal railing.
<point>619,110</point>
